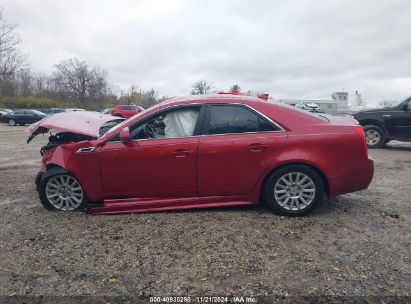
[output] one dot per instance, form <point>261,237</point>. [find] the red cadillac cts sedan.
<point>199,152</point>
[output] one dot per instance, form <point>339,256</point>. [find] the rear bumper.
<point>358,180</point>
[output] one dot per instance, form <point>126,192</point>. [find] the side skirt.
<point>135,205</point>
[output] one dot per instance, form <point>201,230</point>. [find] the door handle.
<point>180,153</point>
<point>257,147</point>
<point>386,116</point>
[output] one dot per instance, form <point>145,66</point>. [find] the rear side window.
<point>228,119</point>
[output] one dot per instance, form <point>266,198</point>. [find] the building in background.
<point>328,106</point>
<point>341,99</point>
<point>336,105</point>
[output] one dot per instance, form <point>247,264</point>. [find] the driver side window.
<point>171,124</point>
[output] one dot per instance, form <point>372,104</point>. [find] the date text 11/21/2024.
<point>203,299</point>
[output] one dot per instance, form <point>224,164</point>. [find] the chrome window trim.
<point>281,129</point>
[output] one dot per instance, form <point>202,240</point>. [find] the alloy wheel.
<point>372,137</point>
<point>12,122</point>
<point>294,191</point>
<point>64,192</point>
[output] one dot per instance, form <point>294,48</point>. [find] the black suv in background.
<point>382,125</point>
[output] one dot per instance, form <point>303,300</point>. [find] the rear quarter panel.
<point>335,149</point>
<point>337,152</point>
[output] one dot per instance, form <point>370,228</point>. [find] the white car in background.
<point>308,106</point>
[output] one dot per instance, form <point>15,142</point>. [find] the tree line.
<point>72,81</point>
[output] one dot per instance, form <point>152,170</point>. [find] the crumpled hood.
<point>81,122</point>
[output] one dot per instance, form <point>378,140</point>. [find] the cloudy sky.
<point>290,49</point>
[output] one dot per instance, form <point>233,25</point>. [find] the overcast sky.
<point>290,49</point>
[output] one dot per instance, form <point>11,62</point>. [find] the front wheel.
<point>12,122</point>
<point>293,190</point>
<point>375,136</point>
<point>62,192</point>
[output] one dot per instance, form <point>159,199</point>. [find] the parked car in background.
<point>52,111</point>
<point>383,125</point>
<point>23,117</point>
<point>199,152</point>
<point>74,110</point>
<point>126,111</point>
<point>106,111</point>
<point>308,106</point>
<point>5,112</point>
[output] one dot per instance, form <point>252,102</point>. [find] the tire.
<point>303,193</point>
<point>62,191</point>
<point>375,136</point>
<point>11,122</point>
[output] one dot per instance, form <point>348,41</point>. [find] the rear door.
<point>31,117</point>
<point>238,146</point>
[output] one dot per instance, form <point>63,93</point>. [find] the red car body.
<point>126,111</point>
<point>211,170</point>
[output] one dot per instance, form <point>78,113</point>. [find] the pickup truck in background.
<point>382,125</point>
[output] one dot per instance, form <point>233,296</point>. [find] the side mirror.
<point>125,135</point>
<point>405,106</point>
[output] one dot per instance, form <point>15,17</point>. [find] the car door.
<point>30,117</point>
<point>20,116</point>
<point>399,121</point>
<point>239,144</point>
<point>153,163</point>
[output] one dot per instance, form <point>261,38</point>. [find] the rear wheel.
<point>294,190</point>
<point>62,192</point>
<point>12,122</point>
<point>375,136</point>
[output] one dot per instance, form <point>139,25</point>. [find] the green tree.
<point>235,89</point>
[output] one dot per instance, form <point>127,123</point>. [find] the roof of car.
<point>212,97</point>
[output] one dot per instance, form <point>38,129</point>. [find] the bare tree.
<point>40,85</point>
<point>10,56</point>
<point>25,82</point>
<point>202,87</point>
<point>80,82</point>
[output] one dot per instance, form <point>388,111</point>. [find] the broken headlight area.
<point>64,138</point>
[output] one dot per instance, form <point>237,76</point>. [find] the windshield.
<point>119,126</point>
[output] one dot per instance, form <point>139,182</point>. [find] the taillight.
<point>360,132</point>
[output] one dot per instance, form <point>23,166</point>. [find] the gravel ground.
<point>356,244</point>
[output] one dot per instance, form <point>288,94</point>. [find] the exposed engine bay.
<point>60,138</point>
<point>64,138</point>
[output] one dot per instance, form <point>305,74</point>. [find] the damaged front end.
<point>72,127</point>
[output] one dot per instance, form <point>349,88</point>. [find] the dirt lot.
<point>356,244</point>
